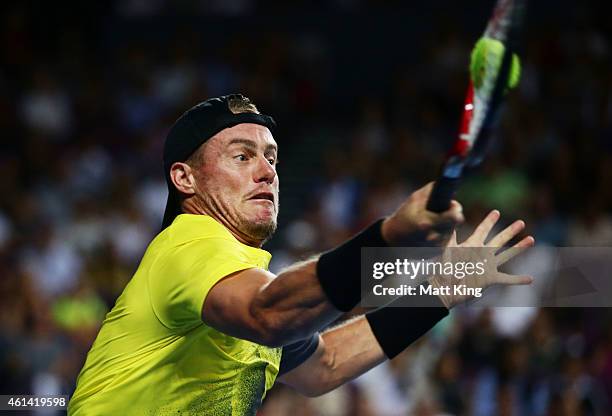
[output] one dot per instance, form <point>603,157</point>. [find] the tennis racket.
<point>486,90</point>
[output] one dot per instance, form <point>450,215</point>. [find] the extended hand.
<point>481,252</point>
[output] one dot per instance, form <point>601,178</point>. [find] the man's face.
<point>237,181</point>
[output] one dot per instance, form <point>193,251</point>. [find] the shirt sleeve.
<point>295,354</point>
<point>181,278</point>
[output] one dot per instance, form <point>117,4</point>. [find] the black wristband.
<point>395,328</point>
<point>339,270</point>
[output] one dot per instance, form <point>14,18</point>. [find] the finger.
<point>528,241</point>
<point>428,186</point>
<point>452,242</point>
<point>453,215</point>
<point>484,228</point>
<point>425,191</point>
<point>512,280</point>
<point>507,234</point>
<point>515,250</point>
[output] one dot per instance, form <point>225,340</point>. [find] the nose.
<point>264,171</point>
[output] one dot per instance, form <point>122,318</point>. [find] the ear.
<point>182,177</point>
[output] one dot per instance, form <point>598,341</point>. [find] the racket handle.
<point>442,193</point>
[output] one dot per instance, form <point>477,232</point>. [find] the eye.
<point>241,157</point>
<point>272,161</point>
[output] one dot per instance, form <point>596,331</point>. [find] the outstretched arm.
<point>254,304</point>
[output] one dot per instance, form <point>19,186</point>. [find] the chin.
<point>262,229</point>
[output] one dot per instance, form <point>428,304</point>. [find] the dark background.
<point>367,97</point>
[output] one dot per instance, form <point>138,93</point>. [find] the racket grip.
<point>442,193</point>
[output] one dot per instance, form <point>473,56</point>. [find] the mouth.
<point>263,196</point>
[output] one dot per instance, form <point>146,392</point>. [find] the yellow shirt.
<point>155,356</point>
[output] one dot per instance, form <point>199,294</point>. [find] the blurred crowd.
<point>367,97</point>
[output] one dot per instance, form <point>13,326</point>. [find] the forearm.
<point>349,350</point>
<point>345,352</point>
<point>354,348</point>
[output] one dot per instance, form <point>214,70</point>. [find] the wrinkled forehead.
<point>251,134</point>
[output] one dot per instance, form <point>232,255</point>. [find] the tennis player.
<point>203,328</point>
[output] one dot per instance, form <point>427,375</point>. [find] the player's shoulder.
<point>188,237</point>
